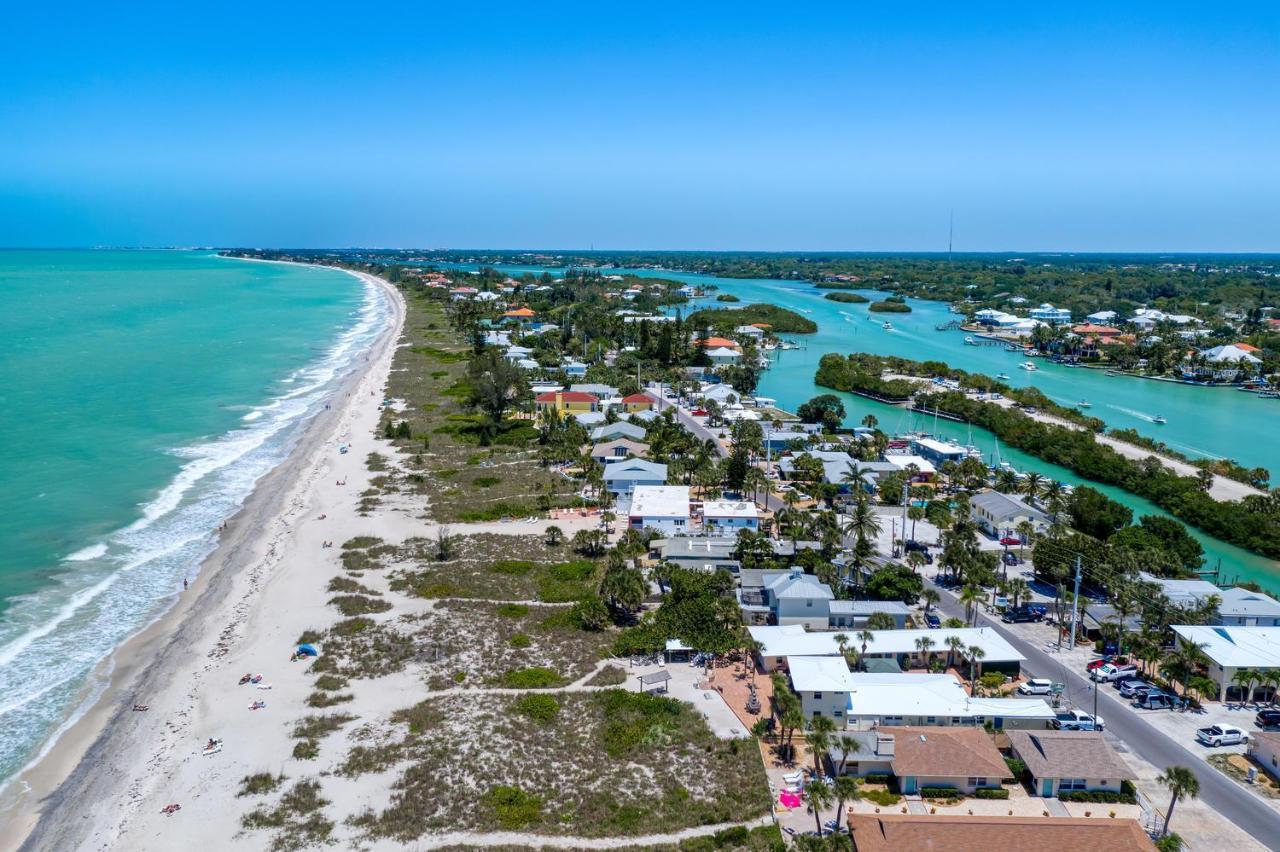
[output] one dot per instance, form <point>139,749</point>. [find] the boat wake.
<point>52,640</point>
<point>1150,418</point>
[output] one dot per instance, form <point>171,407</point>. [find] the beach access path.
<point>1223,487</point>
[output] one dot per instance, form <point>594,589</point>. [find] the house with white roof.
<point>823,685</point>
<point>853,615</point>
<point>1232,353</point>
<point>621,429</point>
<point>924,469</point>
<point>938,452</point>
<point>993,317</point>
<point>723,356</point>
<point>878,700</point>
<point>1230,649</point>
<point>1245,608</point>
<point>797,599</point>
<point>729,516</point>
<point>780,643</point>
<point>624,477</point>
<point>721,393</point>
<point>660,507</point>
<point>1102,317</point>
<point>749,331</point>
<point>1000,514</point>
<point>1051,315</point>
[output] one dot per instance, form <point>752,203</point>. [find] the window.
<point>1072,784</point>
<point>977,782</point>
<point>679,522</point>
<point>931,720</point>
<point>808,603</point>
<point>837,713</point>
<point>817,695</point>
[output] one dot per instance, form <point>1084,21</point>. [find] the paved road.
<point>1217,790</point>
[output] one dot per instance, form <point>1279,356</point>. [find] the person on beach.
<point>184,584</point>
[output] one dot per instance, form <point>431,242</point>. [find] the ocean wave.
<point>53,639</point>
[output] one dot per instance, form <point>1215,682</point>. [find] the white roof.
<point>1182,592</point>
<point>901,461</point>
<point>1242,602</point>
<point>793,640</point>
<point>1229,354</point>
<point>728,509</point>
<point>660,501</point>
<point>940,447</point>
<point>1236,647</point>
<point>722,352</point>
<point>938,695</point>
<point>820,674</point>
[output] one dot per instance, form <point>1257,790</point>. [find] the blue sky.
<point>782,126</point>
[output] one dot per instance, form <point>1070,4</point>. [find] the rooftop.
<point>949,752</point>
<point>728,509</point>
<point>1236,647</point>
<point>1003,505</point>
<point>820,674</point>
<point>660,501</point>
<point>939,695</point>
<point>1069,754</point>
<point>792,639</point>
<point>1242,602</point>
<point>566,396</point>
<point>896,832</point>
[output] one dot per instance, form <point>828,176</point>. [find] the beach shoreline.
<point>81,771</point>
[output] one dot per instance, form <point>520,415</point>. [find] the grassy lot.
<point>487,644</point>
<point>765,839</point>
<point>606,764</point>
<point>442,457</point>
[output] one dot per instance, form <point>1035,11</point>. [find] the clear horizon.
<point>1147,129</point>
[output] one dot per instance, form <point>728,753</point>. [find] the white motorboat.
<point>1027,365</point>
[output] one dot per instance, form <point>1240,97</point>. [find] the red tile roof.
<point>638,397</point>
<point>920,833</point>
<point>717,342</point>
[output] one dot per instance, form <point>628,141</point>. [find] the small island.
<point>727,297</point>
<point>779,320</point>
<point>847,298</point>
<point>838,285</point>
<point>891,305</point>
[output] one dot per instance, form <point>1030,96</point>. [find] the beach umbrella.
<point>309,650</point>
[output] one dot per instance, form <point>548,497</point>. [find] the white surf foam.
<point>93,551</point>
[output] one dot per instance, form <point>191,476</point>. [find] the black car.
<point>1267,719</point>
<point>1021,616</point>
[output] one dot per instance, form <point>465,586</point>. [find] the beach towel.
<point>790,800</point>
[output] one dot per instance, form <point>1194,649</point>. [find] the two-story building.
<point>1000,515</point>
<point>665,508</point>
<point>624,477</point>
<point>728,517</point>
<point>567,402</point>
<point>823,685</point>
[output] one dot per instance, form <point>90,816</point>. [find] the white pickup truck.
<point>1221,735</point>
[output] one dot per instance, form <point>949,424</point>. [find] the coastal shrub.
<point>260,783</point>
<point>883,798</point>
<point>486,481</point>
<point>306,750</point>
<point>1016,767</point>
<point>346,584</point>
<point>940,793</point>
<point>444,356</point>
<point>727,297</point>
<point>878,778</point>
<point>318,727</point>
<point>991,793</point>
<point>567,581</point>
<point>511,807</point>
<point>537,677</point>
<point>519,640</point>
<point>352,626</point>
<point>330,682</point>
<point>328,699</point>
<point>350,605</point>
<point>512,567</point>
<point>540,708</point>
<point>309,830</point>
<point>725,320</point>
<point>847,298</point>
<point>636,719</point>
<point>446,472</point>
<point>1098,797</point>
<point>608,676</point>
<point>309,637</point>
<point>838,285</point>
<point>496,512</point>
<point>512,610</point>
<point>361,542</point>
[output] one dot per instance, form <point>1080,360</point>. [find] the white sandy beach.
<point>103,785</point>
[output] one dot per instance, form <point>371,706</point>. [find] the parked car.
<point>1221,735</point>
<point>1075,720</point>
<point>1021,615</point>
<point>1113,671</point>
<point>1097,664</point>
<point>1267,719</point>
<point>913,545</point>
<point>1009,558</point>
<point>1130,686</point>
<point>933,621</point>
<point>1154,699</point>
<point>1036,686</point>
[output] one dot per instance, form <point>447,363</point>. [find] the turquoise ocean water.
<point>1202,422</point>
<point>142,393</point>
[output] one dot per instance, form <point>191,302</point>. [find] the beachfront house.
<point>624,477</point>
<point>778,643</point>
<point>896,832</point>
<point>999,515</point>
<point>823,685</point>
<point>659,507</point>
<point>700,553</point>
<point>936,701</point>
<point>1069,762</point>
<point>729,516</point>
<point>566,402</point>
<point>1231,649</point>
<point>962,759</point>
<point>618,450</point>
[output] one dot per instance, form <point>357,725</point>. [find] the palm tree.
<point>870,421</point>
<point>923,644</point>
<point>930,597</point>
<point>845,789</point>
<point>819,738</point>
<point>916,561</point>
<point>915,513</point>
<point>975,663</point>
<point>1031,485</point>
<point>863,522</point>
<point>554,535</point>
<point>1245,679</point>
<point>1181,782</point>
<point>865,637</point>
<point>1026,532</point>
<point>1006,481</point>
<point>847,746</point>
<point>1017,588</point>
<point>971,596</point>
<point>820,796</point>
<point>955,645</point>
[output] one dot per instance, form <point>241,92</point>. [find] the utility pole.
<point>1075,604</point>
<point>906,504</point>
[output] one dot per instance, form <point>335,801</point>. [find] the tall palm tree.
<point>1006,481</point>
<point>931,598</point>
<point>1180,782</point>
<point>1032,484</point>
<point>916,561</point>
<point>1245,679</point>
<point>923,645</point>
<point>955,645</point>
<point>975,654</point>
<point>820,796</point>
<point>1026,533</point>
<point>847,745</point>
<point>870,421</point>
<point>971,596</point>
<point>818,736</point>
<point>845,789</point>
<point>865,637</point>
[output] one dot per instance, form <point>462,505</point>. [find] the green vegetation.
<point>298,818</point>
<point>537,677</point>
<point>512,808</point>
<point>840,285</point>
<point>540,708</point>
<point>847,298</point>
<point>350,605</point>
<point>860,374</point>
<point>883,798</point>
<point>260,783</point>
<point>727,297</point>
<point>725,320</point>
<point>889,306</point>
